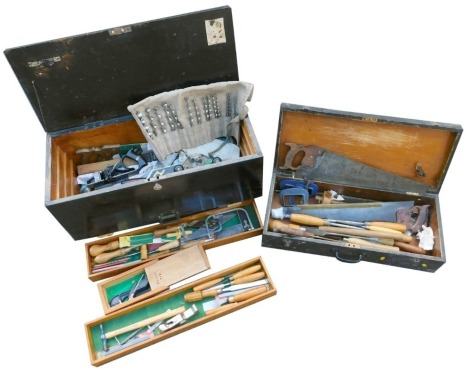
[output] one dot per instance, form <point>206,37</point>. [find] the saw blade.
<point>331,167</point>
<point>386,211</point>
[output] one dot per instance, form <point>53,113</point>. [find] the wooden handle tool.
<point>97,249</point>
<point>145,322</point>
<point>310,220</point>
<point>105,257</point>
<point>251,270</point>
<point>410,248</point>
<point>366,243</point>
<point>367,233</point>
<point>164,231</point>
<point>199,295</point>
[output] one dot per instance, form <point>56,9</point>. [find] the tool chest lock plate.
<point>378,180</point>
<point>81,88</point>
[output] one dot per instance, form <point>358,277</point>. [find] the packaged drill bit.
<point>190,117</point>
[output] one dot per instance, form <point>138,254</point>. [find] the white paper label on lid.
<point>215,31</point>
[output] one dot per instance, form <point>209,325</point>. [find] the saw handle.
<point>97,249</point>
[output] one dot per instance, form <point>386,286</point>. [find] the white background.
<point>397,58</point>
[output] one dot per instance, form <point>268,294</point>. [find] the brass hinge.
<point>120,30</point>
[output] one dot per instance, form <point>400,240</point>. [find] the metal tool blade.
<point>331,167</point>
<point>203,231</point>
<point>386,212</point>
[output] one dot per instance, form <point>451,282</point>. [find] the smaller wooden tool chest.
<point>82,88</point>
<point>359,187</point>
<point>162,316</point>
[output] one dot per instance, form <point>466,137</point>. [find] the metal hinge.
<point>44,62</point>
<point>120,30</point>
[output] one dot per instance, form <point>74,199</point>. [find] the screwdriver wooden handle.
<point>388,225</point>
<point>97,249</point>
<point>105,257</point>
<point>145,322</point>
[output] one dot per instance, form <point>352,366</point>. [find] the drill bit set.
<point>190,117</point>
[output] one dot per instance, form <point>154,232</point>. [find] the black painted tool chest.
<point>80,87</point>
<point>393,168</point>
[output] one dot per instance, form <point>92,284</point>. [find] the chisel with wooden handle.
<point>251,270</point>
<point>405,247</point>
<point>373,225</point>
<point>145,322</point>
<point>214,291</point>
<point>217,302</point>
<point>313,221</point>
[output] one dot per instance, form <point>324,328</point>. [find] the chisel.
<point>212,292</point>
<point>227,279</point>
<point>304,219</point>
<point>215,304</point>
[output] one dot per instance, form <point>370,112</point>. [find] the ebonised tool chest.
<point>82,88</point>
<point>359,187</point>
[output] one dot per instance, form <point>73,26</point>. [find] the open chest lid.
<point>93,77</point>
<point>363,150</point>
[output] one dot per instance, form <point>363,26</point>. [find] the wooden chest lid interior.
<point>416,150</point>
<point>93,77</point>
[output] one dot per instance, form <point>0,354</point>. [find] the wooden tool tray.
<point>240,221</point>
<point>81,86</point>
<point>358,156</point>
<point>151,278</point>
<point>147,313</point>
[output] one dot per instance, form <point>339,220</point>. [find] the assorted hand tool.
<point>392,225</point>
<point>182,308</point>
<point>130,249</point>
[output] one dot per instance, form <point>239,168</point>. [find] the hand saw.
<point>320,164</point>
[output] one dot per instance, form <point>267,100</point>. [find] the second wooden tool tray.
<point>365,158</point>
<point>166,315</point>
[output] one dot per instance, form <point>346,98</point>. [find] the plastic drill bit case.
<point>359,158</point>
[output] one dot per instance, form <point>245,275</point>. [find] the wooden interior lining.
<point>393,147</point>
<point>65,159</point>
